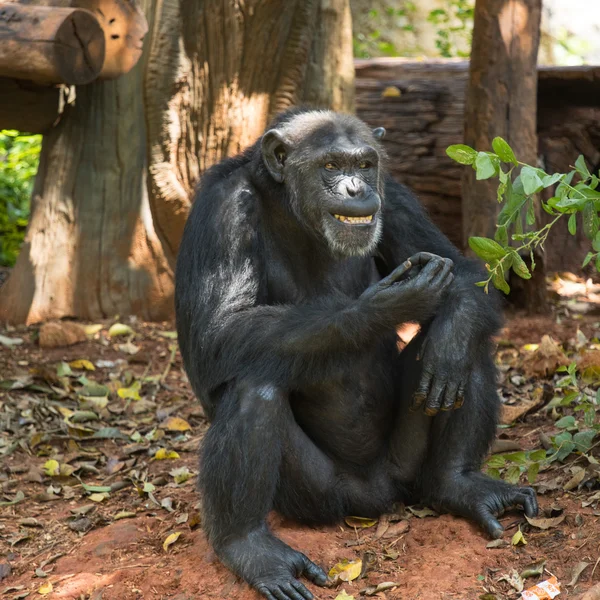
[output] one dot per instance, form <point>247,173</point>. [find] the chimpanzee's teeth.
<point>354,220</point>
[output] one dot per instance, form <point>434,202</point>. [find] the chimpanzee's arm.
<point>465,319</point>
<point>229,328</point>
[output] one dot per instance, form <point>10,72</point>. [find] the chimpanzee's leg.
<point>255,458</point>
<point>445,452</point>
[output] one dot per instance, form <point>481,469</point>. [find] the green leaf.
<point>503,150</point>
<point>596,242</point>
<point>484,166</point>
<point>497,461</point>
<point>532,472</point>
<point>572,225</point>
<point>513,474</point>
<point>517,457</point>
<point>565,422</point>
<point>530,219</point>
<point>581,167</point>
<point>549,180</point>
<point>583,439</point>
<point>519,266</point>
<point>96,488</point>
<point>531,180</point>
<point>500,283</point>
<point>502,235</point>
<point>537,455</point>
<point>590,220</point>
<point>486,249</point>
<point>462,154</point>
<point>587,259</point>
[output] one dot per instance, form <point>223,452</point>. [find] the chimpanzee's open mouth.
<point>355,220</point>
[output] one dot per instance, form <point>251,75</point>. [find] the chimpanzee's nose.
<point>354,187</point>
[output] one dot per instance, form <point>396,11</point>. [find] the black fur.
<point>286,321</point>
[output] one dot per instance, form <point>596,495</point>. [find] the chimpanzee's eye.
<point>364,165</point>
<point>331,166</point>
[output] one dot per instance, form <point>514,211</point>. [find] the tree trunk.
<point>501,101</point>
<point>117,172</point>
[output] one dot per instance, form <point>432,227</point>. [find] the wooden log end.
<point>80,48</point>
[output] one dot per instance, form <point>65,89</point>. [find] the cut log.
<point>49,44</point>
<point>125,27</point>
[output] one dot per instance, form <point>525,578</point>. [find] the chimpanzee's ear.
<point>274,152</point>
<point>379,133</point>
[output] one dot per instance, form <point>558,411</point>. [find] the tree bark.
<point>502,101</point>
<point>28,107</point>
<point>117,172</point>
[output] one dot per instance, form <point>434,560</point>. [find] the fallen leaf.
<point>45,589</point>
<point>343,596</point>
<point>177,424</point>
<point>497,544</point>
<point>360,522</point>
<point>171,539</point>
<point>132,392</point>
<point>422,512</point>
<point>6,341</point>
<point>577,478</point>
<point>381,587</point>
<point>98,497</point>
<point>592,594</point>
<point>518,538</point>
<point>82,363</point>
<point>118,329</point>
<point>171,335</point>
<point>578,569</point>
<point>514,580</point>
<point>546,523</point>
<point>92,329</point>
<point>52,468</point>
<point>396,529</point>
<point>163,454</point>
<point>533,570</point>
<point>129,348</point>
<point>345,570</point>
<point>545,360</point>
<point>180,475</point>
<point>123,515</point>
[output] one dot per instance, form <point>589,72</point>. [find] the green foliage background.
<point>19,158</point>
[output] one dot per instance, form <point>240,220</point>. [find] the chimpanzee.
<point>300,258</point>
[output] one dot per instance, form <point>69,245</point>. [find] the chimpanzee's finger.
<point>422,390</point>
<point>397,273</point>
<point>450,395</point>
<point>434,400</point>
<point>460,397</point>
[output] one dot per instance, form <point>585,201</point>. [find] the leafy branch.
<point>517,189</point>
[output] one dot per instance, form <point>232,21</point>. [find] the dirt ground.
<point>98,457</point>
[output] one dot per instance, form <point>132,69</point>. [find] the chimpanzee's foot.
<point>271,567</point>
<point>481,499</point>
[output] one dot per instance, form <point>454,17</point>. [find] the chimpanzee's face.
<point>330,165</point>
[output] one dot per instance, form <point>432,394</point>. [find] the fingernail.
<point>431,412</point>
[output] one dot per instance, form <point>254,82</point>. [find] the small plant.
<point>19,157</point>
<point>368,45</point>
<point>518,187</point>
<point>454,25</point>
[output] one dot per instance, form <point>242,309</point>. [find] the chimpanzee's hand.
<point>411,292</point>
<point>446,368</point>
